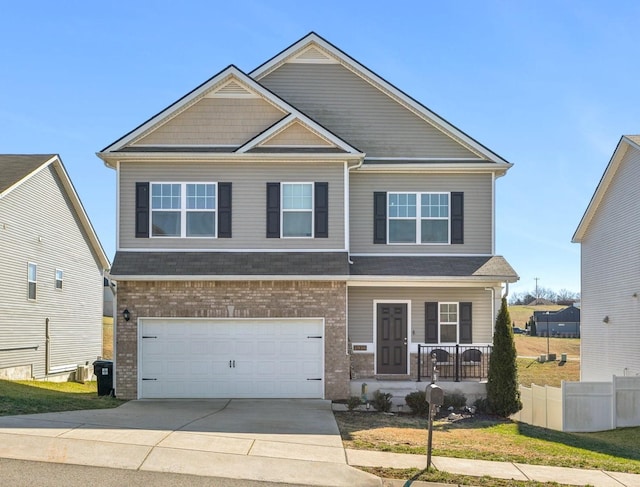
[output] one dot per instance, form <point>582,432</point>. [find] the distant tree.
<point>532,327</point>
<point>566,297</point>
<point>503,396</point>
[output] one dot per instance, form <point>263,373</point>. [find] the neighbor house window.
<point>421,218</point>
<point>59,275</point>
<point>183,209</point>
<point>448,318</point>
<point>32,279</point>
<point>297,209</point>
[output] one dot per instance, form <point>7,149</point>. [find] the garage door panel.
<point>231,358</point>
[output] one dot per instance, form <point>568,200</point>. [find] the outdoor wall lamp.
<point>126,315</point>
<point>605,319</point>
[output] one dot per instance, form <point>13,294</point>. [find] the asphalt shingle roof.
<point>14,167</point>
<point>304,264</point>
<point>230,264</point>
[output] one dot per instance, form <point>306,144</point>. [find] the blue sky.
<point>550,85</point>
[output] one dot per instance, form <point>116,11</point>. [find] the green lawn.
<point>30,397</point>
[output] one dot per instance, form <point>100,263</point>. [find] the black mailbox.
<point>434,395</point>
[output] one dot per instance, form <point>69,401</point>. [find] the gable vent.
<point>313,55</point>
<point>232,89</point>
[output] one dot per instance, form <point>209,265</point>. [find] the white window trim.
<point>61,280</point>
<point>449,323</point>
<point>418,218</point>
<point>183,210</point>
<point>282,209</point>
<point>29,281</point>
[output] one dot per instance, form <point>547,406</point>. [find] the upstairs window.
<point>183,209</point>
<point>32,280</point>
<point>297,209</point>
<point>421,218</point>
<point>59,275</point>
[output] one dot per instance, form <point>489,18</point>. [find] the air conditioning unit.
<point>83,373</point>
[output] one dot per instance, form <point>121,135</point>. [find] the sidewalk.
<point>502,470</point>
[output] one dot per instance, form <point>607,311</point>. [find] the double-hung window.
<point>183,209</point>
<point>297,209</point>
<point>421,218</point>
<point>32,280</point>
<point>59,275</point>
<point>448,318</point>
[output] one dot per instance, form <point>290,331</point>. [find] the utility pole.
<point>537,279</point>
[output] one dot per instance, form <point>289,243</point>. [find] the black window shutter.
<point>224,210</point>
<point>457,218</point>
<point>431,322</point>
<point>142,210</point>
<point>321,208</point>
<point>273,210</point>
<point>465,323</point>
<point>379,217</point>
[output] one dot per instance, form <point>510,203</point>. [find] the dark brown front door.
<point>392,339</point>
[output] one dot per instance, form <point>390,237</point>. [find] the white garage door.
<point>190,358</point>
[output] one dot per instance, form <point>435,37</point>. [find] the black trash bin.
<point>103,369</point>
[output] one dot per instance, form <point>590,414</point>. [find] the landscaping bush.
<point>417,402</point>
<point>382,401</point>
<point>455,399</point>
<point>353,402</point>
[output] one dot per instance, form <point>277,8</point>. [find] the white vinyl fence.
<point>582,406</point>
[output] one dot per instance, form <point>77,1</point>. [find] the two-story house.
<point>282,231</point>
<point>52,267</point>
<point>608,235</point>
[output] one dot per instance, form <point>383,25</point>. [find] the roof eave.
<point>111,158</point>
<point>602,187</point>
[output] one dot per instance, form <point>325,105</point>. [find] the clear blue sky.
<point>550,85</point>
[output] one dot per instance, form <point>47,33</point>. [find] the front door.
<point>392,338</point>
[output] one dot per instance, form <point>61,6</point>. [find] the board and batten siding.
<point>249,186</point>
<point>610,277</point>
<point>38,225</point>
<point>216,121</point>
<point>361,309</point>
<point>478,210</point>
<point>360,113</point>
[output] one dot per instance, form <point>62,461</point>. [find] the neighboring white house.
<point>52,268</point>
<point>609,234</point>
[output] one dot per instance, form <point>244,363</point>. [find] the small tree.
<point>503,396</point>
<point>532,327</point>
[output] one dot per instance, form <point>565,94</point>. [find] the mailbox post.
<point>435,397</point>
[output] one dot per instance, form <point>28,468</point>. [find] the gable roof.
<point>15,169</point>
<point>231,82</point>
<point>626,142</point>
<point>314,48</point>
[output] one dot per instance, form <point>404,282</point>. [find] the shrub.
<point>417,402</point>
<point>502,384</point>
<point>455,399</point>
<point>382,401</point>
<point>353,402</point>
<point>481,405</point>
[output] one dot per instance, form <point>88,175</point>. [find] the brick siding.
<point>250,299</point>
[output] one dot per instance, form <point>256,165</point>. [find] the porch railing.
<point>453,362</point>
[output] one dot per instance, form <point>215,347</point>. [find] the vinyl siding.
<point>361,309</point>
<point>360,113</point>
<point>249,202</point>
<point>39,208</point>
<point>297,135</point>
<point>216,121</point>
<point>478,211</point>
<point>610,276</point>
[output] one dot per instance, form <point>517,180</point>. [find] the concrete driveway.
<point>294,441</point>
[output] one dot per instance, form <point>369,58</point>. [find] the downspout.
<point>347,225</point>
<point>114,306</point>
<point>47,350</point>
